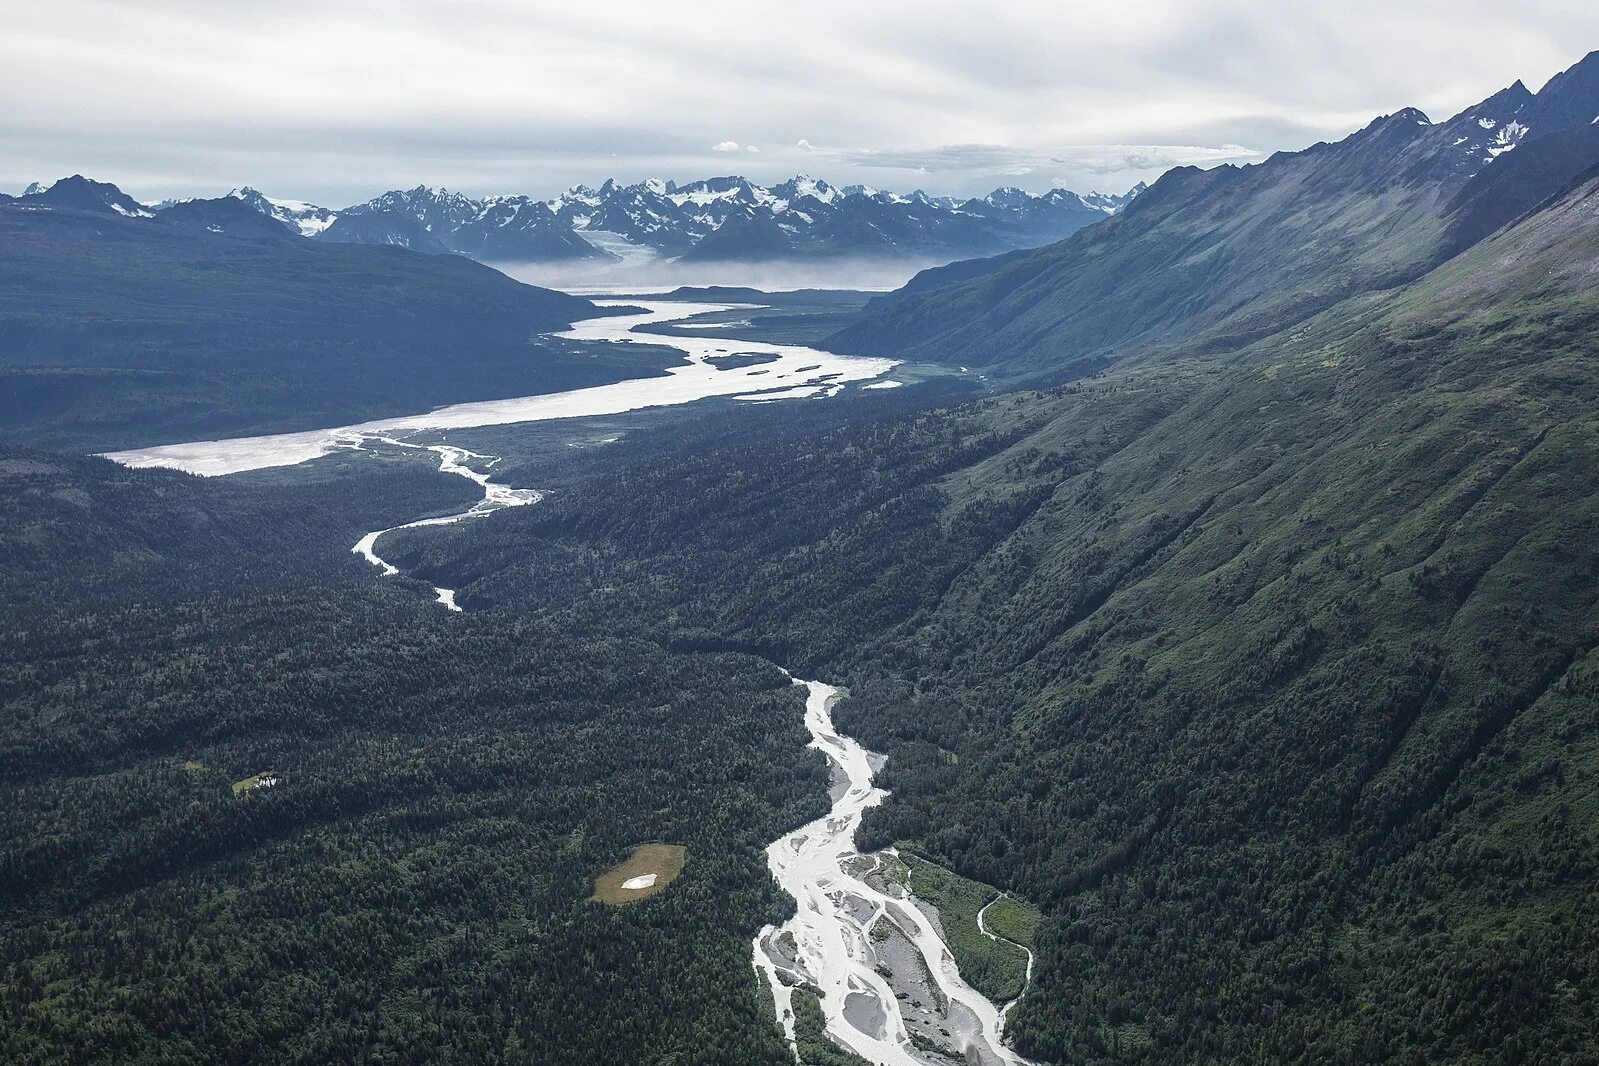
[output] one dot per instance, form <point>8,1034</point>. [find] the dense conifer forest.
<point>413,883</point>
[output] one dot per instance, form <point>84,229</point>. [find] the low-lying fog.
<point>659,274</point>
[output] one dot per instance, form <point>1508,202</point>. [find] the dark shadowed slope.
<point>120,328</point>
<point>1521,181</point>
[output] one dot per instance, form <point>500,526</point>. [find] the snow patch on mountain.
<point>721,218</point>
<point>309,219</point>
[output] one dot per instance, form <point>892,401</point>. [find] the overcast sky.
<point>336,100</point>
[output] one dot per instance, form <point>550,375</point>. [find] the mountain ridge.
<point>1225,250</point>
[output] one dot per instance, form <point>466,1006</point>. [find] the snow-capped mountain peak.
<point>807,186</point>
<point>1110,203</point>
<point>309,219</point>
<point>726,217</point>
<point>1009,196</point>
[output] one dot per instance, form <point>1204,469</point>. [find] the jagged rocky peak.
<point>1570,99</point>
<point>1110,203</point>
<point>1008,196</point>
<point>803,185</point>
<point>432,207</point>
<point>1480,134</point>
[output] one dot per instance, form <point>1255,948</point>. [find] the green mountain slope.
<point>1271,679</point>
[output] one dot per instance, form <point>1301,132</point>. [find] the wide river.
<point>889,988</point>
<point>795,372</point>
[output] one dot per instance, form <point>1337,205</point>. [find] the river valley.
<point>876,957</point>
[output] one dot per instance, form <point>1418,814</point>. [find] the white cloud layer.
<point>338,99</point>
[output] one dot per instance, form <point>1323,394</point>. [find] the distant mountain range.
<point>727,219</point>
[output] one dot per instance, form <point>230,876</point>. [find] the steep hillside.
<point>1272,679</point>
<point>1212,260</point>
<point>227,215</point>
<point>1521,181</point>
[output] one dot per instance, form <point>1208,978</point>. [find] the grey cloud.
<point>976,167</point>
<point>339,99</point>
<point>1105,157</point>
